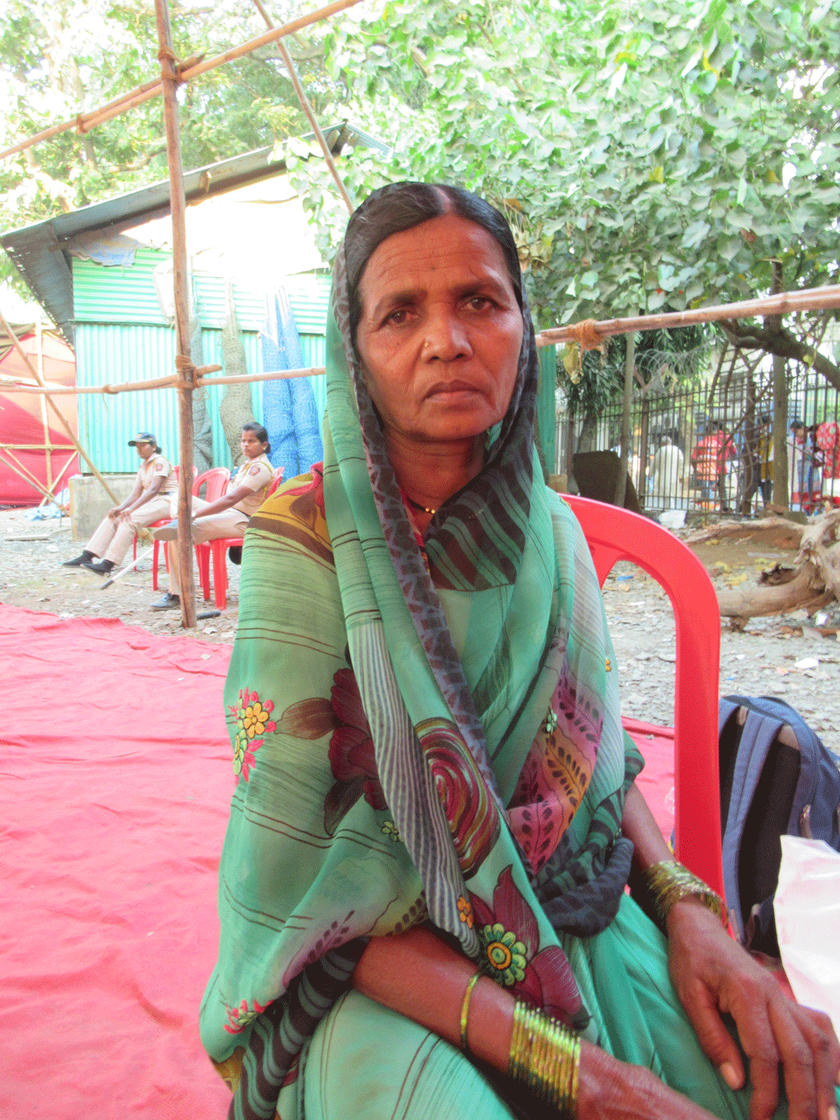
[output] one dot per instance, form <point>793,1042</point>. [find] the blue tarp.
<point>290,414</point>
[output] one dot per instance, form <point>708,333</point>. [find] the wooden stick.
<point>61,417</point>
<point>805,299</point>
<point>307,110</point>
<point>183,73</point>
<point>169,382</point>
<point>34,482</point>
<point>271,375</point>
<point>178,206</point>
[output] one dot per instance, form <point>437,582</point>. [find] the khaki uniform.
<point>112,539</point>
<point>258,475</point>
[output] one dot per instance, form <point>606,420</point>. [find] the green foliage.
<point>69,56</point>
<point>652,158</point>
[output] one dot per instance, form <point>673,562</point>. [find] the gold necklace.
<point>417,505</point>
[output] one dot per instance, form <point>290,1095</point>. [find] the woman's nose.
<point>445,338</point>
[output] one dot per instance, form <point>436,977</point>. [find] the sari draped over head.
<point>424,730</point>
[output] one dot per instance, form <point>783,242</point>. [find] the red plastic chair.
<point>615,534</point>
<point>217,549</point>
<point>157,524</point>
<point>215,482</point>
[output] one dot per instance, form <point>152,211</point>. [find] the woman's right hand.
<point>612,1090</point>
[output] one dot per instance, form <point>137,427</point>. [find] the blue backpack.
<point>777,778</point>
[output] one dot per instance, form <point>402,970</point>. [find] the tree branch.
<point>780,341</point>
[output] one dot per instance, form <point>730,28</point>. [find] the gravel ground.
<point>780,656</point>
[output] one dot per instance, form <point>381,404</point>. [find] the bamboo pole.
<point>307,110</point>
<point>27,477</point>
<point>44,422</point>
<point>590,333</point>
<point>178,206</point>
<point>61,417</point>
<point>170,382</point>
<point>271,375</point>
<point>183,72</point>
<point>164,382</point>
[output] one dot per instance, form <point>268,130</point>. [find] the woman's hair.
<point>260,432</point>
<point>401,206</point>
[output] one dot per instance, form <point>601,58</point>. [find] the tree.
<point>61,58</point>
<point>652,158</point>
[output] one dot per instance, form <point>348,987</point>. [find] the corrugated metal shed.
<point>122,335</point>
<point>40,251</point>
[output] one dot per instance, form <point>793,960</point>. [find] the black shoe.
<point>169,602</point>
<point>79,561</point>
<point>101,567</point>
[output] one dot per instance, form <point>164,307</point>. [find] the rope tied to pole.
<point>186,367</point>
<point>110,389</point>
<point>587,335</point>
<point>167,52</point>
<point>81,123</point>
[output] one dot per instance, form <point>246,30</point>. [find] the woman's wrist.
<point>669,883</point>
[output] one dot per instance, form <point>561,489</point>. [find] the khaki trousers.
<point>112,539</point>
<point>217,526</point>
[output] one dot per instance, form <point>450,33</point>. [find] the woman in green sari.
<point>422,888</point>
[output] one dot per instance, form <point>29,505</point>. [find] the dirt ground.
<point>786,656</point>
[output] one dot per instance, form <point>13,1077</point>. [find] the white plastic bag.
<point>807,908</point>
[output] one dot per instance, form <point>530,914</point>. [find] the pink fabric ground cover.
<point>114,785</point>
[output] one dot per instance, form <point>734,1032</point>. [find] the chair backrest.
<point>278,478</point>
<point>176,470</point>
<point>215,481</point>
<point>615,534</point>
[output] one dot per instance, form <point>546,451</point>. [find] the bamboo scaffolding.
<point>179,73</point>
<point>170,382</point>
<point>43,403</point>
<point>183,364</point>
<point>35,446</point>
<point>590,333</point>
<point>60,415</point>
<point>27,476</point>
<point>53,488</point>
<point>307,111</point>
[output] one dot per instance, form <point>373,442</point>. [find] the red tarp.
<point>22,417</point>
<point>114,786</point>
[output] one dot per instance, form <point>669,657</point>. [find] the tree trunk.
<point>815,578</point>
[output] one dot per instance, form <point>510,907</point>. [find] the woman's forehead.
<point>444,251</point>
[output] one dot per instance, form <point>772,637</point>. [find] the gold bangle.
<point>465,1010</point>
<point>545,1055</point>
<point>669,882</point>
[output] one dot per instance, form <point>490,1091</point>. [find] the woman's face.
<point>440,331</point>
<point>145,450</point>
<point>251,447</point>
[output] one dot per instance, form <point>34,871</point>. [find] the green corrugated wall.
<point>122,335</point>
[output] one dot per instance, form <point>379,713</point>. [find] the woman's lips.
<point>444,388</point>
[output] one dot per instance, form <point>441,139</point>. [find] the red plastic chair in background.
<point>157,524</point>
<point>615,534</point>
<point>217,549</point>
<point>215,483</point>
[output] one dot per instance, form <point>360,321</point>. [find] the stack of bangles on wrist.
<point>544,1054</point>
<point>669,882</point>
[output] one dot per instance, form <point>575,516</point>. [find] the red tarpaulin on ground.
<point>114,788</point>
<point>28,426</point>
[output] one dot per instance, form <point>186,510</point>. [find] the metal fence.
<point>709,445</point>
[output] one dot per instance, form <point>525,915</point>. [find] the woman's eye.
<point>397,318</point>
<point>479,303</point>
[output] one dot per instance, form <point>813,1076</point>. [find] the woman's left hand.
<point>713,975</point>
